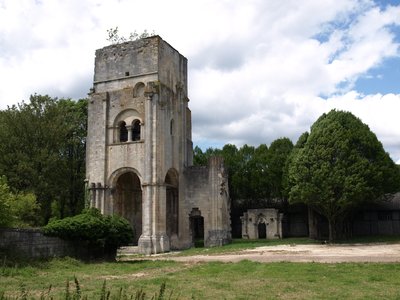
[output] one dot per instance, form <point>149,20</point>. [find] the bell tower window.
<point>123,132</point>
<point>136,130</point>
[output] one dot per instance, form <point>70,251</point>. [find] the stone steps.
<point>127,250</point>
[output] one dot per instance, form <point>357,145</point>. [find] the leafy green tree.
<point>5,208</point>
<point>341,166</point>
<point>243,178</point>
<point>199,157</point>
<point>230,152</point>
<point>42,151</point>
<point>287,183</point>
<point>278,153</point>
<point>17,209</point>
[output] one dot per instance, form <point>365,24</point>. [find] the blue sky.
<point>384,79</point>
<point>268,69</point>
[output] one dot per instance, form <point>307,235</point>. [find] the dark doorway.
<point>197,227</point>
<point>262,231</point>
<point>172,202</point>
<point>128,202</point>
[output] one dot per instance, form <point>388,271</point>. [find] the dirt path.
<point>303,253</point>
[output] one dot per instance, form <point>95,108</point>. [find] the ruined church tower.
<point>139,148</point>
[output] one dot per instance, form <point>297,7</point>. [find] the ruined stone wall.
<point>31,243</point>
<point>128,60</point>
<point>207,191</point>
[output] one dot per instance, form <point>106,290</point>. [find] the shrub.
<point>105,232</point>
<point>17,209</point>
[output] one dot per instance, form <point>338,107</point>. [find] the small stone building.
<point>140,153</point>
<point>263,223</point>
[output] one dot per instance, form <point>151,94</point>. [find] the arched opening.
<point>126,126</point>
<point>172,202</point>
<point>128,201</point>
<point>262,230</point>
<point>197,227</point>
<point>136,130</point>
<point>139,89</point>
<point>123,132</point>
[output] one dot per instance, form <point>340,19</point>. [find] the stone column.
<point>129,128</point>
<point>92,194</point>
<point>145,242</point>
<point>160,238</point>
<point>280,225</point>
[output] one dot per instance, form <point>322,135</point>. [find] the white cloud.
<point>267,68</point>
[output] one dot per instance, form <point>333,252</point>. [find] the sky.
<point>258,70</point>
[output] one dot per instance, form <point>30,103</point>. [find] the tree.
<point>17,209</point>
<point>42,151</point>
<point>278,153</point>
<point>5,208</point>
<point>341,166</point>
<point>287,182</point>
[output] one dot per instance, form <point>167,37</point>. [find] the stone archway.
<point>261,226</point>
<point>262,230</point>
<point>128,201</point>
<point>172,203</point>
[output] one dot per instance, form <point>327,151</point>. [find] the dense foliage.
<point>255,173</point>
<point>340,166</point>
<point>92,226</point>
<point>42,151</point>
<point>17,209</point>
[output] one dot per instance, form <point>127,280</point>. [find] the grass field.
<point>243,280</point>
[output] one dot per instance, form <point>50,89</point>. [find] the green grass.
<point>243,280</point>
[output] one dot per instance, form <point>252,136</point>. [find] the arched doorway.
<point>262,230</point>
<point>197,227</point>
<point>172,202</point>
<point>128,201</point>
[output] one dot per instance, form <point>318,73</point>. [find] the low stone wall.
<point>32,243</point>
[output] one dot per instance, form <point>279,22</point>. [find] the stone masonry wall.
<point>32,243</point>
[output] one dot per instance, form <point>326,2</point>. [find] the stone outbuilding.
<point>265,223</point>
<point>140,152</point>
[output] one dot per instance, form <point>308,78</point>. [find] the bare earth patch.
<point>302,253</point>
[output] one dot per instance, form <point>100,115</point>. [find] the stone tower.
<point>139,148</point>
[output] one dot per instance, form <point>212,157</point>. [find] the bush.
<point>104,232</point>
<point>17,209</point>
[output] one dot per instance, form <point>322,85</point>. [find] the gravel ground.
<point>302,253</point>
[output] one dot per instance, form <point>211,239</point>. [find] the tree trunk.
<point>331,230</point>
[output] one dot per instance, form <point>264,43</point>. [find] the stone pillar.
<point>280,224</point>
<point>92,194</point>
<point>129,128</point>
<point>100,197</point>
<point>217,229</point>
<point>145,242</point>
<point>160,238</point>
<point>244,219</point>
